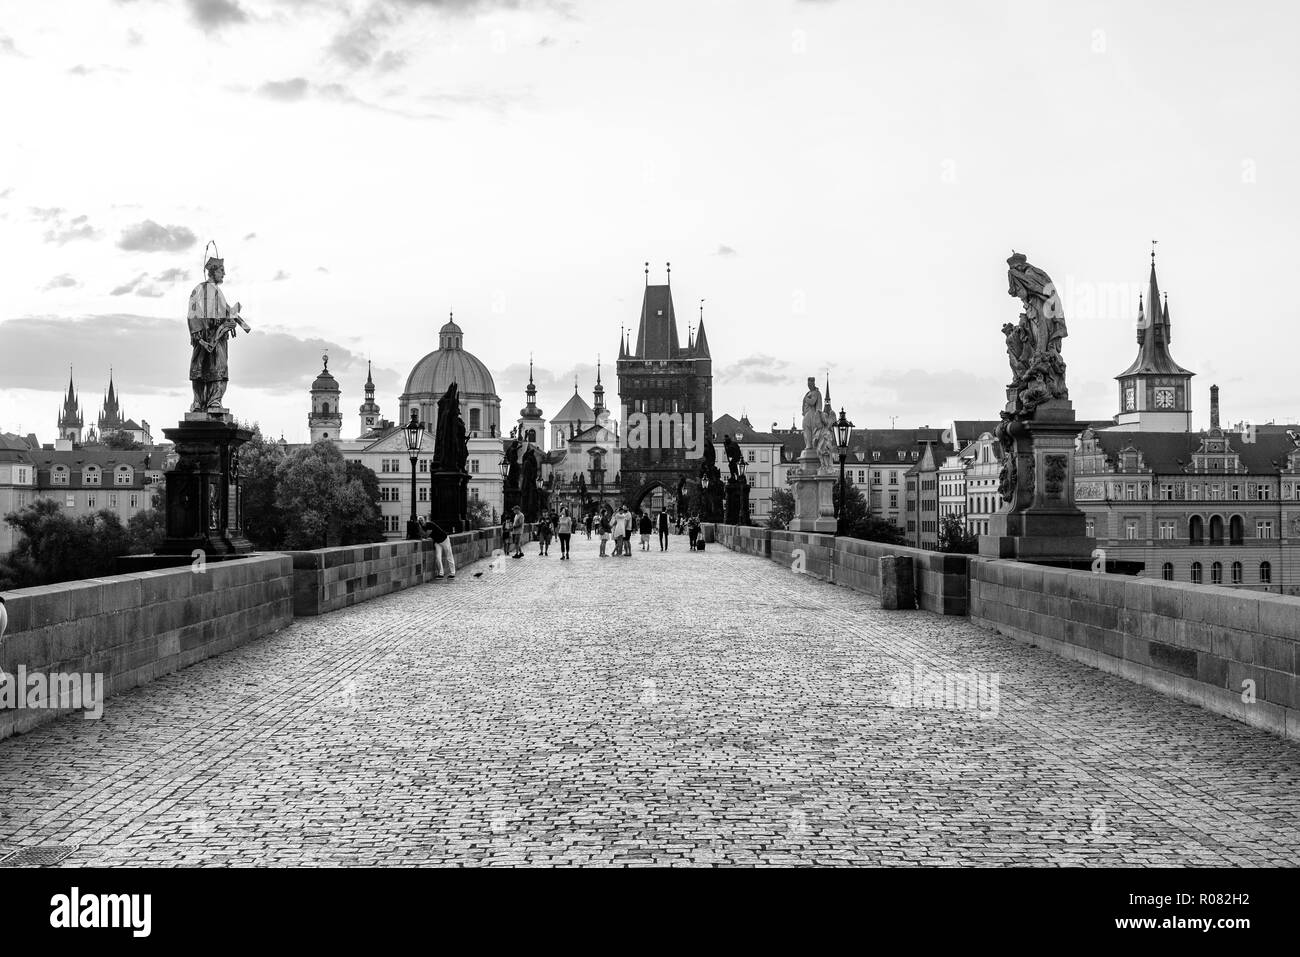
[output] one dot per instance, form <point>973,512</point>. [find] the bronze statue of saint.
<point>212,324</point>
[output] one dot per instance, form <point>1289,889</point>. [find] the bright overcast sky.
<point>841,181</point>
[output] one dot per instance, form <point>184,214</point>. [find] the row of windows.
<point>93,498</point>
<point>1167,529</point>
<point>90,475</point>
<point>1216,573</point>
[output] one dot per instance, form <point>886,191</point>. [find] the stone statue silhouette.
<point>450,440</point>
<point>212,323</point>
<point>732,448</point>
<point>812,413</point>
<point>1034,346</point>
<point>529,486</point>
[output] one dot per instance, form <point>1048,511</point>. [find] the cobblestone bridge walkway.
<point>673,707</point>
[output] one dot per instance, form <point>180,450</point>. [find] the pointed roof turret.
<point>70,415</point>
<point>700,347</point>
<point>598,392</point>
<point>1153,356</point>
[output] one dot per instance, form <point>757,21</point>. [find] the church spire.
<point>599,392</point>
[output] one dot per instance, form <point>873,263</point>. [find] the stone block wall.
<point>133,628</point>
<point>326,579</point>
<point>1214,646</point>
<point>941,579</point>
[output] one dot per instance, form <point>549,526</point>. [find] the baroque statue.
<point>450,440</point>
<point>212,323</point>
<point>1034,344</point>
<point>732,448</point>
<point>812,414</point>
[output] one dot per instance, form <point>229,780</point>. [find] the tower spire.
<point>670,273</point>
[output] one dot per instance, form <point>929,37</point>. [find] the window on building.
<point>1216,491</point>
<point>1216,529</point>
<point>893,478</point>
<point>1167,492</point>
<point>90,476</point>
<point>763,456</point>
<point>1216,573</point>
<point>1236,493</point>
<point>751,458</point>
<point>112,500</point>
<point>473,465</point>
<point>422,493</point>
<point>893,500</point>
<point>473,494</point>
<point>59,476</point>
<point>1264,492</point>
<point>1236,573</point>
<point>421,464</point>
<point>135,500</point>
<point>1265,573</point>
<point>1195,530</point>
<point>875,454</point>
<point>875,478</point>
<point>1166,528</point>
<point>862,477</point>
<point>1236,530</point>
<point>1131,528</point>
<point>1167,571</point>
<point>123,475</point>
<point>475,419</point>
<point>1196,573</point>
<point>1194,492</point>
<point>1263,529</point>
<point>90,500</point>
<point>1130,491</point>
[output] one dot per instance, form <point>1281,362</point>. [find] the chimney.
<point>1214,406</point>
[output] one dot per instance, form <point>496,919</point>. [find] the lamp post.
<point>744,492</point>
<point>843,432</point>
<point>414,439</point>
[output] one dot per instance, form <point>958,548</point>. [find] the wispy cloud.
<point>215,14</point>
<point>140,285</point>
<point>62,281</point>
<point>149,236</point>
<point>7,47</point>
<point>757,369</point>
<point>724,250</point>
<point>286,91</point>
<point>280,276</point>
<point>62,230</point>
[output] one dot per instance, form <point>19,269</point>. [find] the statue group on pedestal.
<point>818,426</point>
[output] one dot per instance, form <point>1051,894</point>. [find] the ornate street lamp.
<point>744,492</point>
<point>843,432</point>
<point>414,439</point>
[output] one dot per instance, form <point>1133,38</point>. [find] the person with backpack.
<point>564,530</point>
<point>443,558</point>
<point>645,526</point>
<point>543,534</point>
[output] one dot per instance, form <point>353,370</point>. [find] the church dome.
<point>325,382</point>
<point>450,363</point>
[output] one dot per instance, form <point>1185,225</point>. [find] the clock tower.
<point>1155,391</point>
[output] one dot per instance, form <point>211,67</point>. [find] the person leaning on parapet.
<point>517,533</point>
<point>442,554</point>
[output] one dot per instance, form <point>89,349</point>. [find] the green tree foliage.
<point>953,537</point>
<point>56,547</point>
<point>258,462</point>
<point>782,512</point>
<point>359,531</point>
<point>145,531</point>
<point>858,522</point>
<point>320,505</point>
<point>122,441</point>
<point>480,514</point>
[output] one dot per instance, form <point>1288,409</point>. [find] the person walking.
<point>663,530</point>
<point>618,528</point>
<point>645,527</point>
<point>693,530</point>
<point>543,534</point>
<point>629,526</point>
<point>564,529</point>
<point>517,533</point>
<point>603,529</point>
<point>588,522</point>
<point>443,558</point>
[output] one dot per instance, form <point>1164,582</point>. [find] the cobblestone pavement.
<point>670,708</point>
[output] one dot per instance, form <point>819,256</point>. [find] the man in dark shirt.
<point>442,553</point>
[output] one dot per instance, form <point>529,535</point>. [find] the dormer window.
<point>90,476</point>
<point>123,475</point>
<point>59,475</point>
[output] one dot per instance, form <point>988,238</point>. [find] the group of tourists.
<point>618,525</point>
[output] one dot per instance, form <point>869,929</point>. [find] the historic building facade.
<point>667,382</point>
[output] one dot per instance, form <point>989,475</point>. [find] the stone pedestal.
<point>203,508</point>
<point>814,491</point>
<point>450,504</point>
<point>734,495</point>
<point>1041,522</point>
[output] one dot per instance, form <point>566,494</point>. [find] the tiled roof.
<point>1169,452</point>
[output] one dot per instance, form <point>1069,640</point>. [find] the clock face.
<point>1130,399</point>
<point>1164,398</point>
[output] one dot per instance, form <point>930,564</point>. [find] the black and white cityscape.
<point>799,433</point>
